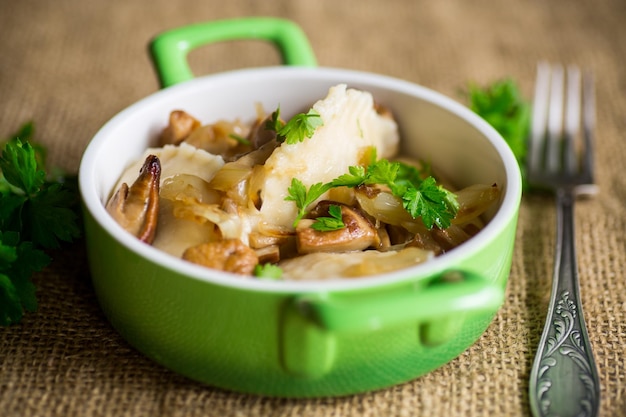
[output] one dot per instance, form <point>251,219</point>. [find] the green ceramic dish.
<point>297,339</point>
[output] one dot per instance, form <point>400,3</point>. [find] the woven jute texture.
<point>71,65</point>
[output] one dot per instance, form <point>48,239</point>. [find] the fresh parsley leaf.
<point>303,197</point>
<point>297,193</point>
<point>327,224</point>
<point>431,202</point>
<point>37,211</point>
<point>25,133</point>
<point>19,166</point>
<point>379,172</point>
<point>239,139</point>
<point>382,172</point>
<point>8,251</point>
<point>421,196</point>
<point>409,176</point>
<point>18,260</point>
<point>268,271</point>
<point>11,211</point>
<point>11,311</point>
<point>52,217</point>
<point>354,178</point>
<point>502,105</point>
<point>274,123</point>
<point>299,127</point>
<point>30,260</point>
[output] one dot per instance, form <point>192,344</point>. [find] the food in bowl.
<point>311,338</point>
<point>323,195</point>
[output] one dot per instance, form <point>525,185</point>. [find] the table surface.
<point>71,65</point>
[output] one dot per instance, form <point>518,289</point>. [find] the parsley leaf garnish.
<point>421,197</point>
<point>36,213</point>
<point>355,177</point>
<point>52,216</point>
<point>433,203</point>
<point>18,260</point>
<point>240,139</point>
<point>382,172</point>
<point>19,167</point>
<point>327,224</point>
<point>267,271</point>
<point>303,197</point>
<point>502,105</point>
<point>274,123</point>
<point>299,127</point>
<point>409,175</point>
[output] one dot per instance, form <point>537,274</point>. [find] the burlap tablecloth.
<point>70,65</point>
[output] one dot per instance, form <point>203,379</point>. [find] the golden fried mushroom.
<point>180,126</point>
<point>136,208</point>
<point>230,255</point>
<point>358,234</point>
<point>224,138</point>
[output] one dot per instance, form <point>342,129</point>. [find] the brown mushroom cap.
<point>230,255</point>
<point>179,127</point>
<point>136,208</point>
<point>359,232</point>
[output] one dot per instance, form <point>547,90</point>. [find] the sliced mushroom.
<point>358,234</point>
<point>230,255</point>
<point>180,126</point>
<point>260,240</point>
<point>450,237</point>
<point>398,235</point>
<point>136,208</point>
<point>259,134</point>
<point>222,138</point>
<point>268,254</point>
<point>426,241</point>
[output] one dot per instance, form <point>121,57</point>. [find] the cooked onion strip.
<point>474,201</point>
<point>318,266</point>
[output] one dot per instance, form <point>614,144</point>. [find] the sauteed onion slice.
<point>317,266</point>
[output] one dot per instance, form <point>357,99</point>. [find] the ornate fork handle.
<point>564,380</point>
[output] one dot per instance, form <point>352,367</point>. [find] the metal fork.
<point>564,379</point>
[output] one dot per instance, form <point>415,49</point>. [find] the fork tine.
<point>555,120</point>
<point>559,155</point>
<point>539,117</point>
<point>572,119</point>
<point>589,121</point>
<point>587,186</point>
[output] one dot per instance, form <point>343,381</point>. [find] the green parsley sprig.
<point>240,139</point>
<point>268,271</point>
<point>303,198</point>
<point>334,220</point>
<point>36,213</point>
<point>298,128</point>
<point>421,197</point>
<point>503,106</point>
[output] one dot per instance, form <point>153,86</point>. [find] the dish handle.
<point>437,310</point>
<point>169,49</point>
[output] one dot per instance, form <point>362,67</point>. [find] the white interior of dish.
<point>433,128</point>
